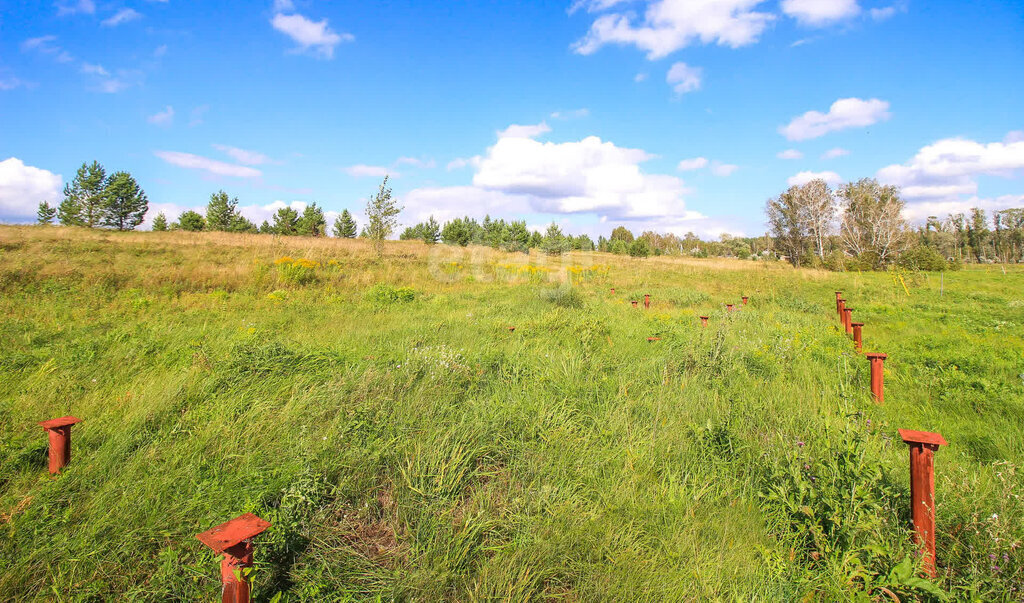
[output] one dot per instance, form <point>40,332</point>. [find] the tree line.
<point>860,226</point>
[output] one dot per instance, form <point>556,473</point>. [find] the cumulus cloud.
<point>162,118</point>
<point>640,77</point>
<point>124,15</point>
<point>684,78</point>
<point>834,153</point>
<point>697,163</point>
<point>669,25</point>
<point>311,36</point>
<point>23,187</point>
<point>790,154</point>
<point>843,114</point>
<point>416,162</point>
<point>950,167</point>
<point>367,171</point>
<point>87,7</point>
<point>885,12</point>
<point>802,178</point>
<point>461,162</point>
<point>574,114</point>
<point>205,164</point>
<point>528,131</point>
<point>816,13</point>
<point>244,156</point>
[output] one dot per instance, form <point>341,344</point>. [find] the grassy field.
<point>407,445</point>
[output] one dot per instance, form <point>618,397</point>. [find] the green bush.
<point>619,247</point>
<point>639,248</point>
<point>386,294</point>
<point>563,296</point>
<point>922,258</point>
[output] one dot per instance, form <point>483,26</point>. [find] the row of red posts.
<point>923,445</point>
<point>232,539</point>
<point>703,319</point>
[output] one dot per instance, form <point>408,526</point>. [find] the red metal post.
<point>729,307</point>
<point>704,321</point>
<point>878,376</point>
<point>858,338</point>
<point>848,322</point>
<point>613,290</point>
<point>233,539</point>
<point>839,296</point>
<point>647,300</point>
<point>745,300</point>
<point>842,315</point>
<point>650,339</point>
<point>634,302</point>
<point>923,445</point>
<point>59,432</point>
<point>511,329</point>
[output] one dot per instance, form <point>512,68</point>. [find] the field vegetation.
<point>407,444</point>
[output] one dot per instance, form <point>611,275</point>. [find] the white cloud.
<point>1014,136</point>
<point>790,154</point>
<point>244,156</point>
<point>283,6</point>
<point>950,167</point>
<point>528,131</point>
<point>124,15</point>
<point>368,171</point>
<point>90,69</point>
<point>163,118</point>
<point>684,78</point>
<point>723,169</point>
<point>844,113</point>
<point>802,178</point>
<point>312,36</point>
<point>883,13</point>
<point>573,177</point>
<point>816,13</point>
<point>87,7</point>
<point>461,162</point>
<point>197,115</point>
<point>10,83</point>
<point>834,153</point>
<point>669,25</point>
<point>22,187</point>
<point>211,166</point>
<point>697,163</point>
<point>640,77</point>
<point>574,114</point>
<point>160,51</point>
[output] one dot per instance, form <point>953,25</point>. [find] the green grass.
<point>407,446</point>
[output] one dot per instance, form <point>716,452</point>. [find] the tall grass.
<point>409,446</point>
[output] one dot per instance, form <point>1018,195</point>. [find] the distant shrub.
<point>563,296</point>
<point>835,261</point>
<point>384,293</point>
<point>296,272</point>
<point>619,247</point>
<point>922,258</point>
<point>639,248</point>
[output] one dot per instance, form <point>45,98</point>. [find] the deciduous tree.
<point>382,214</point>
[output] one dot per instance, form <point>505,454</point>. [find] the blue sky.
<point>672,115</point>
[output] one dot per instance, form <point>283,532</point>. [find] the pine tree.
<point>266,228</point>
<point>381,212</point>
<point>192,221</point>
<point>69,212</point>
<point>46,213</point>
<point>124,202</point>
<point>221,212</point>
<point>554,241</point>
<point>431,231</point>
<point>285,221</point>
<point>86,194</point>
<point>345,226</point>
<point>160,222</point>
<point>536,240</point>
<point>312,223</point>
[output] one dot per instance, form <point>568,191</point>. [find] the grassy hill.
<point>406,444</point>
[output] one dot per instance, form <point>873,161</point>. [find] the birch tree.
<point>872,226</point>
